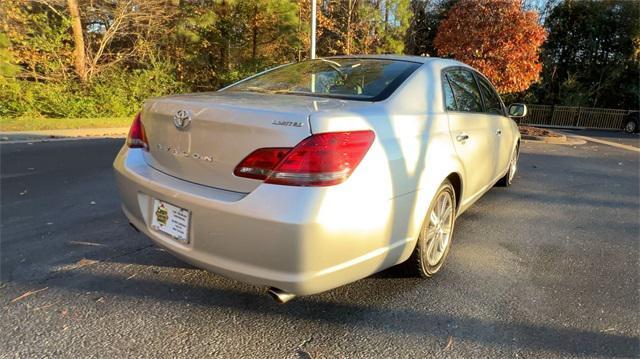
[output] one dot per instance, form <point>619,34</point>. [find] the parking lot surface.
<point>546,268</point>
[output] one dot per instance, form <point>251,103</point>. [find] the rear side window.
<point>465,91</point>
<point>492,102</point>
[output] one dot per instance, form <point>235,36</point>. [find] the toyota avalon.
<point>315,174</point>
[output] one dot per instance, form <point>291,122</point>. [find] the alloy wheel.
<point>513,166</point>
<point>438,232</point>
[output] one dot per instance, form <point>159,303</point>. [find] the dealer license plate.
<point>171,220</point>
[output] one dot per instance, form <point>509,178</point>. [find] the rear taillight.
<point>259,163</point>
<point>320,160</point>
<point>137,137</point>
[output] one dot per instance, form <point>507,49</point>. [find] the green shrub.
<point>115,92</point>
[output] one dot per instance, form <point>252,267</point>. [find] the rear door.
<point>472,130</point>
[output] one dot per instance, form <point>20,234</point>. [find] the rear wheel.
<point>631,126</point>
<point>436,233</point>
<point>511,172</point>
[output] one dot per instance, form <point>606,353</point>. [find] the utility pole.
<point>313,29</point>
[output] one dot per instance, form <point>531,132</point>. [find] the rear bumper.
<point>301,240</point>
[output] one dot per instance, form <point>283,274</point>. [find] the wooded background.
<point>90,58</point>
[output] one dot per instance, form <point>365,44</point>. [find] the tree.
<point>38,39</point>
<point>7,66</point>
<point>504,48</point>
<point>391,30</point>
<point>364,27</point>
<point>324,25</point>
<point>591,57</point>
<point>79,56</point>
<point>272,27</point>
<point>218,42</point>
<point>426,17</point>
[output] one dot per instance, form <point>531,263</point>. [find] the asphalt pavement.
<point>545,268</point>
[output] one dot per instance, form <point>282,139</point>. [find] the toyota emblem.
<point>182,119</point>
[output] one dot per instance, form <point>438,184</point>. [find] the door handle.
<point>498,132</point>
<point>462,137</point>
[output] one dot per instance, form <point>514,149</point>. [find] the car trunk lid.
<point>224,128</point>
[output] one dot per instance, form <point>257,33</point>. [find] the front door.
<point>502,128</point>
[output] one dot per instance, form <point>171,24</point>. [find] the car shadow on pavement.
<point>153,256</point>
<point>374,315</point>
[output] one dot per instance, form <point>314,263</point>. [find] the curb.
<point>49,135</point>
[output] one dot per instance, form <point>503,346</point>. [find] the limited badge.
<point>162,215</point>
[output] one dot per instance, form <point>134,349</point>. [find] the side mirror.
<point>517,110</point>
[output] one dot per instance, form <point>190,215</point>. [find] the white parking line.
<point>609,143</point>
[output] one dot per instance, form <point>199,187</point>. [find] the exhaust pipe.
<point>279,295</point>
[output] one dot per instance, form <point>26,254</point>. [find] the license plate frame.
<point>171,220</point>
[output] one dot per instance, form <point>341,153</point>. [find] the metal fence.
<point>567,116</point>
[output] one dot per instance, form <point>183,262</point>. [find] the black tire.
<point>418,263</point>
<point>507,179</point>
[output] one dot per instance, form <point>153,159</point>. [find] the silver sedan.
<point>313,175</point>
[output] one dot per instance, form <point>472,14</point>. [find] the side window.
<point>465,91</point>
<point>492,102</point>
<point>449,100</point>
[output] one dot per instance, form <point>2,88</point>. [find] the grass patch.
<point>40,123</point>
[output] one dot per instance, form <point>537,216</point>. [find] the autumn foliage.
<point>498,38</point>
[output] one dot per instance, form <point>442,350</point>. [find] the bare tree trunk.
<point>299,31</point>
<point>254,34</point>
<point>386,15</point>
<point>349,13</point>
<point>79,57</point>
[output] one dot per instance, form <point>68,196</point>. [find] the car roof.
<point>419,59</point>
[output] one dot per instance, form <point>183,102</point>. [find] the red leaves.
<point>498,38</point>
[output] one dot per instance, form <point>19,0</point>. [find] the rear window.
<point>345,78</point>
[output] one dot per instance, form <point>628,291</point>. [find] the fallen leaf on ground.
<point>449,343</point>
<point>84,262</point>
<point>24,295</point>
<point>92,202</point>
<point>44,307</point>
<point>79,264</point>
<point>535,131</point>
<point>23,192</point>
